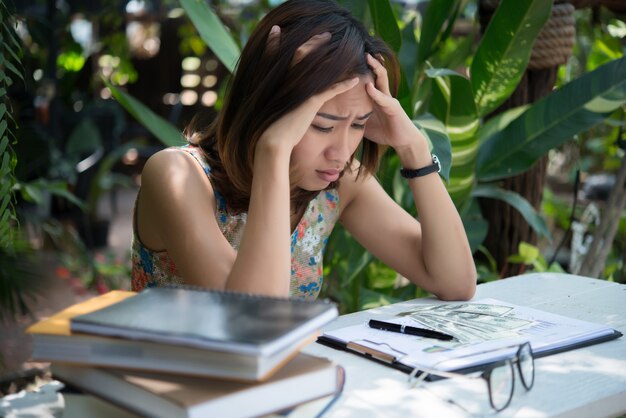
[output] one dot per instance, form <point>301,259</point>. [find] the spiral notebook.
<point>53,342</point>
<point>215,320</point>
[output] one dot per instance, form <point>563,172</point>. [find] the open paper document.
<point>484,331</point>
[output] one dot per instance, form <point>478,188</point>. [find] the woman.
<point>249,204</point>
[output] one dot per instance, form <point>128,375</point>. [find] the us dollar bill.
<point>469,322</point>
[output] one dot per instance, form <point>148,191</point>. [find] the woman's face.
<point>334,135</point>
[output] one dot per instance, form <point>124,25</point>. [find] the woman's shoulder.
<point>175,160</point>
<point>175,169</point>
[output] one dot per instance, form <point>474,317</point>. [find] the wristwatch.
<point>409,173</point>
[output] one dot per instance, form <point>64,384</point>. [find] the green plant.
<point>10,64</point>
<point>481,152</point>
<point>484,153</point>
<point>17,282</point>
<point>531,257</point>
<point>600,38</point>
<point>53,140</point>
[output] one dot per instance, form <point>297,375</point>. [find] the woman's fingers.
<point>384,101</point>
<point>313,43</point>
<point>382,81</point>
<point>273,39</point>
<point>290,128</point>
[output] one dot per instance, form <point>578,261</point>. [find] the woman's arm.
<point>176,211</point>
<point>433,253</point>
<point>265,250</point>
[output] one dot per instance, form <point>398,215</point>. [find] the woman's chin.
<point>313,186</point>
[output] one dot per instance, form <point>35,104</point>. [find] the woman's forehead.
<point>354,102</point>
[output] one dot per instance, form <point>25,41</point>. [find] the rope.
<point>555,42</point>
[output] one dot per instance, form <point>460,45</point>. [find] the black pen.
<point>406,329</point>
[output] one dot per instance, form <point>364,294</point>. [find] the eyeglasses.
<point>499,376</point>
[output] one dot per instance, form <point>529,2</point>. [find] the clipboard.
<point>390,361</point>
<point>366,352</point>
<point>399,352</point>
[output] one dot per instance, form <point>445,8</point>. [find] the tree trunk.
<point>507,228</point>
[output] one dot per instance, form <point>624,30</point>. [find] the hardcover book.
<point>303,379</point>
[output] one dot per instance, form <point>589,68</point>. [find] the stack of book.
<point>183,352</point>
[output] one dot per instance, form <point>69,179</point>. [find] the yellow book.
<point>59,323</point>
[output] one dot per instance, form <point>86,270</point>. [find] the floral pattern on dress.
<point>308,241</point>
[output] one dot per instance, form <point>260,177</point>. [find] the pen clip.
<point>368,351</point>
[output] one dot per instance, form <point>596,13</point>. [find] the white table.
<point>587,382</point>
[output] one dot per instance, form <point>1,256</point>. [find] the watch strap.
<point>409,173</point>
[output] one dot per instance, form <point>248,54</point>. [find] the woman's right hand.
<point>291,127</point>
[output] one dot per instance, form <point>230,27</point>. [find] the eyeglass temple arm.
<point>425,371</point>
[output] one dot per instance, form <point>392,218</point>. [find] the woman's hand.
<point>389,124</point>
<point>289,129</point>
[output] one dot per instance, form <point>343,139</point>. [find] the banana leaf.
<point>452,103</point>
<point>213,32</point>
<point>525,209</point>
<point>505,49</point>
<point>385,23</point>
<point>548,123</point>
<point>432,32</point>
<point>167,133</point>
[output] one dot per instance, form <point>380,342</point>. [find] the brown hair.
<point>267,85</point>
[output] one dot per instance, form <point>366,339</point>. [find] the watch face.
<point>436,161</point>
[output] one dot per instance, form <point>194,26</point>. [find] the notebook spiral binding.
<point>244,294</point>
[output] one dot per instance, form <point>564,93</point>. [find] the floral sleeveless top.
<point>155,268</point>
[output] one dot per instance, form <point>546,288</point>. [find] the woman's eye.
<point>358,126</point>
<point>322,129</point>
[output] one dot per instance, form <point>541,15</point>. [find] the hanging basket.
<point>555,42</point>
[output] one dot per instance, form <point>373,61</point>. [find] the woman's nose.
<point>341,146</point>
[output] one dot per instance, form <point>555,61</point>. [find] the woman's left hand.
<point>389,124</point>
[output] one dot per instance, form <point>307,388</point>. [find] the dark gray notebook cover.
<point>223,321</point>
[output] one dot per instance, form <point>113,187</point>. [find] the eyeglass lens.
<point>501,384</point>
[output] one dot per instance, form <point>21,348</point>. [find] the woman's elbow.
<point>463,288</point>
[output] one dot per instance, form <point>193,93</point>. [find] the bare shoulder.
<point>173,168</point>
<point>172,183</point>
<point>174,175</point>
<point>168,162</point>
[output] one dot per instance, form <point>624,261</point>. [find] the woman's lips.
<point>328,175</point>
